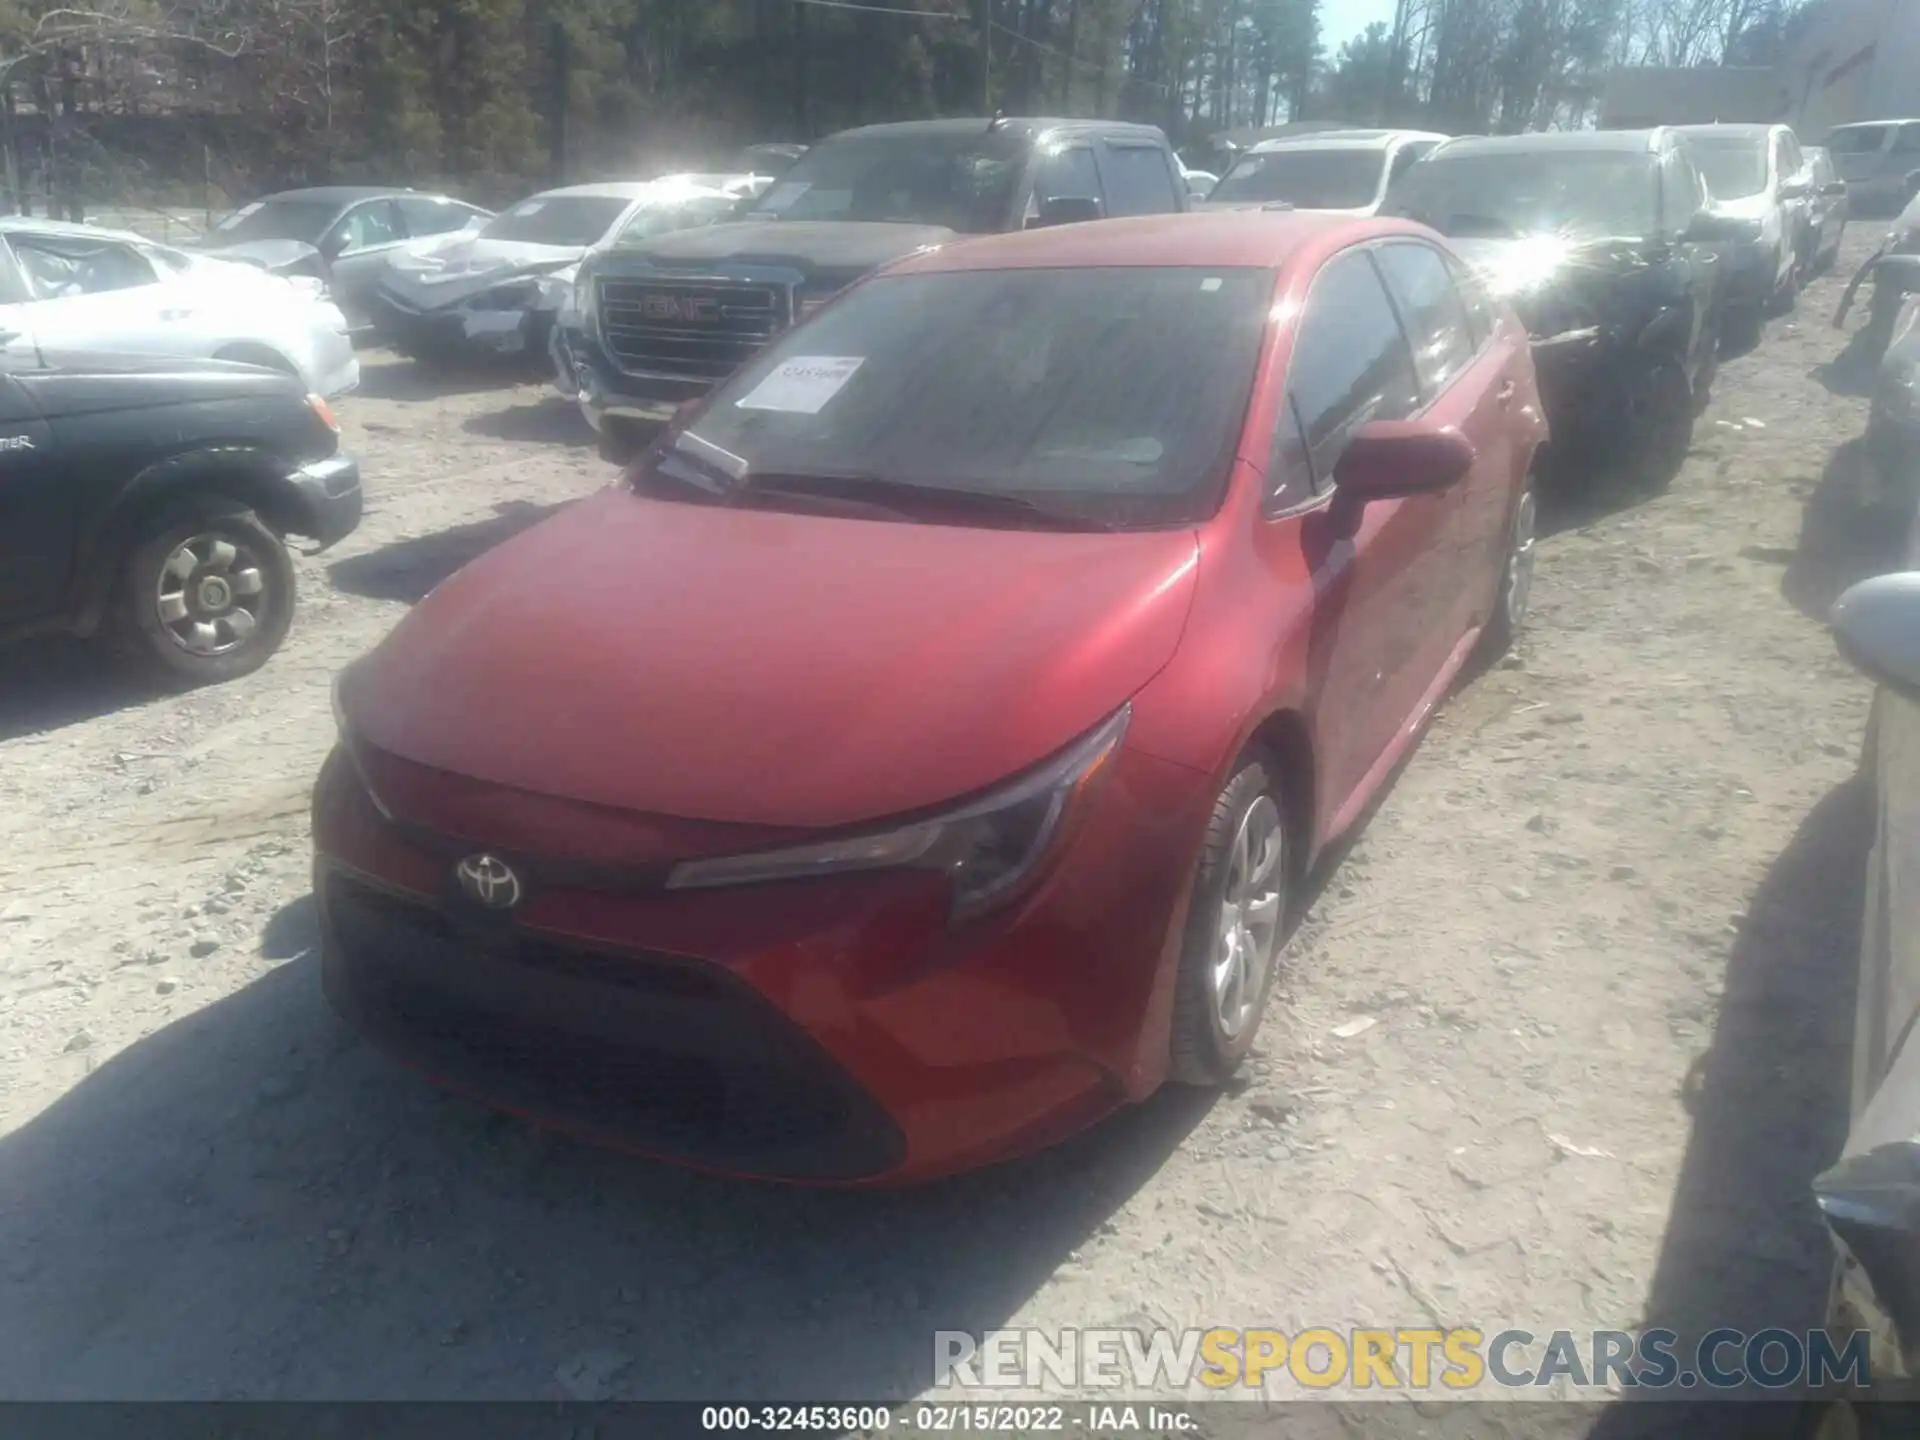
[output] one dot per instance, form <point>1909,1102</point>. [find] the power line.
<point>877,9</point>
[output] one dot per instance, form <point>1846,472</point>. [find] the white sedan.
<point>80,288</point>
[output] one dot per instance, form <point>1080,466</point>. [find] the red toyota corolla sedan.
<point>915,757</point>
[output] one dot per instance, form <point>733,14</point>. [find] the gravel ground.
<point>1600,932</point>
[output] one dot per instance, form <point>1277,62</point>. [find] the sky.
<point>1341,20</point>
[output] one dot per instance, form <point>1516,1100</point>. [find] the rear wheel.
<point>1742,328</point>
<point>206,595</point>
<point>1235,927</point>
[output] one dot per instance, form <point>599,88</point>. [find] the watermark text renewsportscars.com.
<point>1229,1361</point>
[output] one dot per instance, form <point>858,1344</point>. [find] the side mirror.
<point>1796,190</point>
<point>1199,189</point>
<point>1070,210</point>
<point>1833,189</point>
<point>1877,626</point>
<point>1387,459</point>
<point>333,245</point>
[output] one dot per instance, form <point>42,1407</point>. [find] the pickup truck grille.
<point>690,329</point>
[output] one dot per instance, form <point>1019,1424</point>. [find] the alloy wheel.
<point>211,595</point>
<point>1249,931</point>
<point>1519,584</point>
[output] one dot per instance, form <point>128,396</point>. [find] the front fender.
<point>215,481</point>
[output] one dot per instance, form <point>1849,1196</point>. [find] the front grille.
<point>695,329</point>
<point>654,1051</point>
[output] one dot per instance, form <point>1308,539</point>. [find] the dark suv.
<point>660,321</point>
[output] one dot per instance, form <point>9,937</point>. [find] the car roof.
<point>1631,142</point>
<point>29,225</point>
<point>1225,239</point>
<point>1341,140</point>
<point>1023,125</point>
<point>343,194</point>
<point>600,190</point>
<point>1732,128</point>
<point>1875,124</point>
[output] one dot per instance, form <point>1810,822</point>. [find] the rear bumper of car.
<point>328,501</point>
<point>457,329</point>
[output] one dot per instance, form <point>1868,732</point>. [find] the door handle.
<point>1504,395</point>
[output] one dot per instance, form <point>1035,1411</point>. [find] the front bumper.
<point>1577,373</point>
<point>328,501</point>
<point>825,1031</point>
<point>1753,274</point>
<point>584,373</point>
<point>457,329</point>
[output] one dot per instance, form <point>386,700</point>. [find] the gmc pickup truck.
<point>657,323</point>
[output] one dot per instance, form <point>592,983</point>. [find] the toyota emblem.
<point>489,881</point>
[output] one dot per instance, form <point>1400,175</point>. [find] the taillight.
<point>319,406</point>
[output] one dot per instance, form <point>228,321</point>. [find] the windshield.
<point>277,220</point>
<point>651,220</point>
<point>1734,166</point>
<point>557,219</point>
<point>961,181</point>
<point>1112,395</point>
<point>1519,192</point>
<point>1857,139</point>
<point>1305,179</point>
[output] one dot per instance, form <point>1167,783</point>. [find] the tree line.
<point>494,97</point>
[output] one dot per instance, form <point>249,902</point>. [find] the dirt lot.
<point>1602,927</point>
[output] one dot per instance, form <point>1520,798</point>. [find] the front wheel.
<point>1516,578</point>
<point>206,595</point>
<point>1235,928</point>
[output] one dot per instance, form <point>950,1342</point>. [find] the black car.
<point>1606,245</point>
<point>658,323</point>
<point>342,233</point>
<point>147,498</point>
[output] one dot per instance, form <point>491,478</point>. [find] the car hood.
<point>826,250</point>
<point>454,269</point>
<point>91,383</point>
<point>1759,206</point>
<point>1555,284</point>
<point>1212,205</point>
<point>766,668</point>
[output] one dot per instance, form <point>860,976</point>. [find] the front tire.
<point>206,595</point>
<point>1516,577</point>
<point>1235,927</point>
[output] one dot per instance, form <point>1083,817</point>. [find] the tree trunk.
<point>800,107</point>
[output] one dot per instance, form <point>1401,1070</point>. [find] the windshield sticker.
<point>784,194</point>
<point>242,213</point>
<point>1210,284</point>
<point>801,386</point>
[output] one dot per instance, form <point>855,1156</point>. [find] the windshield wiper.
<point>903,495</point>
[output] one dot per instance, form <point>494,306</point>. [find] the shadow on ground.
<point>407,569</point>
<point>1745,1247</point>
<point>386,376</point>
<point>251,1204</point>
<point>48,684</point>
<point>547,422</point>
<point>1854,526</point>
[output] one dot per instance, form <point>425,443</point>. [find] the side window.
<point>1140,181</point>
<point>59,271</point>
<point>374,222</point>
<point>1351,362</point>
<point>1907,140</point>
<point>1796,158</point>
<point>1289,467</point>
<point>1431,313</point>
<point>1483,312</point>
<point>1068,175</point>
<point>1403,161</point>
<point>432,215</point>
<point>1679,192</point>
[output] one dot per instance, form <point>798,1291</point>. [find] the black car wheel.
<point>206,594</point>
<point>1236,927</point>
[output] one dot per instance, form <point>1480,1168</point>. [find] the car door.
<point>1470,377</point>
<point>1140,178</point>
<point>1697,267</point>
<point>37,510</point>
<point>357,246</point>
<point>1351,363</point>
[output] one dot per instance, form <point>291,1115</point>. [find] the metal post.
<point>557,134</point>
<point>986,57</point>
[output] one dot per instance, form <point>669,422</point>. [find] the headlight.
<point>986,849</point>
